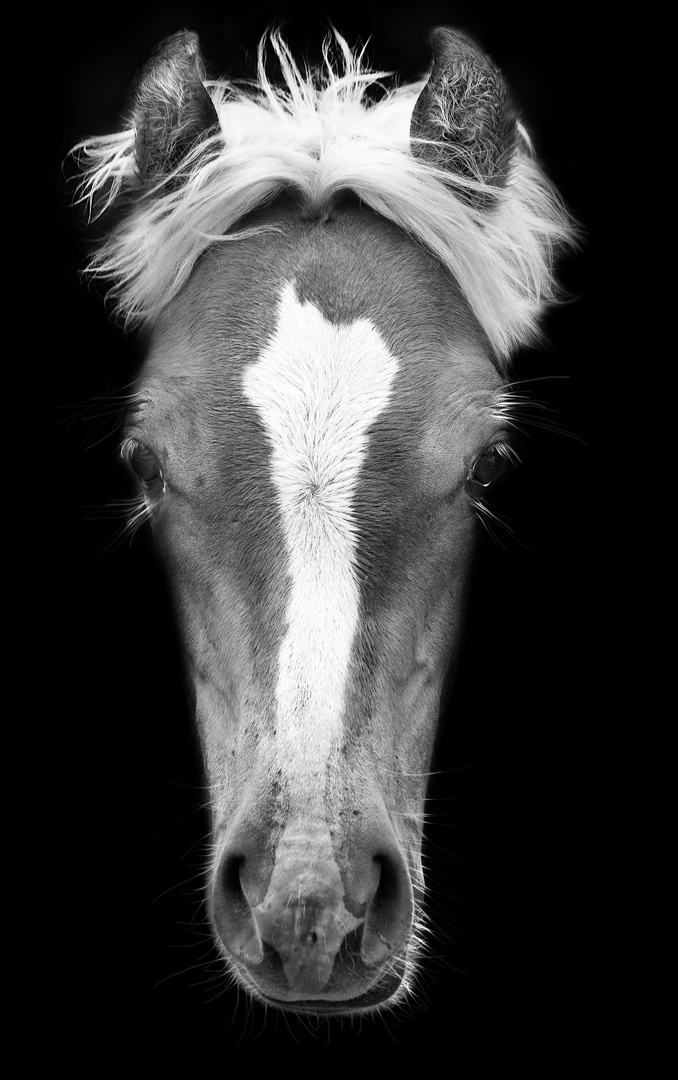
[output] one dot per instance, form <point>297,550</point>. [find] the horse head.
<point>332,289</point>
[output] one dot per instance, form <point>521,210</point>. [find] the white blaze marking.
<point>317,387</point>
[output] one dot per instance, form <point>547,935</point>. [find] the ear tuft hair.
<point>463,120</point>
<point>172,111</point>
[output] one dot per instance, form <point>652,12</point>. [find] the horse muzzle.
<point>321,932</point>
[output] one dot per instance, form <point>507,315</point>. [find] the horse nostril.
<point>230,878</point>
<point>389,915</point>
<point>232,913</point>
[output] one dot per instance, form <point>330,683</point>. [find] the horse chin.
<point>341,996</point>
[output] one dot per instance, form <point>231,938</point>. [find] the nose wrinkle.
<point>303,915</point>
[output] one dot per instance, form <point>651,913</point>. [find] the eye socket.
<point>144,465</point>
<point>491,463</point>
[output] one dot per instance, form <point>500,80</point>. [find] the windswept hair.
<point>319,134</point>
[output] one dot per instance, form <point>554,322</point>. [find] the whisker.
<point>486,517</point>
<point>517,410</point>
<point>134,510</point>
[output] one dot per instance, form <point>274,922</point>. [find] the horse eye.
<point>143,464</point>
<point>491,462</point>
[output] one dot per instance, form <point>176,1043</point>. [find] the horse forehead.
<point>334,371</point>
<point>318,289</point>
<point>318,385</point>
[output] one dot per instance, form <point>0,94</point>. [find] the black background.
<point>510,845</point>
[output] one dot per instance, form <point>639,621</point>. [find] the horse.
<point>333,273</point>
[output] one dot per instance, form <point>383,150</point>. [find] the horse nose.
<point>306,932</point>
<point>305,920</point>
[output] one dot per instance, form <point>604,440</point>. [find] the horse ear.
<point>465,107</point>
<point>171,109</point>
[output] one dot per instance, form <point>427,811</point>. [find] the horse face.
<point>309,418</point>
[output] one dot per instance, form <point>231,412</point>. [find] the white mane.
<point>317,136</point>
